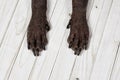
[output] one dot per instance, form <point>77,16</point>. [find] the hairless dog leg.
<point>79,31</point>
<point>38,27</point>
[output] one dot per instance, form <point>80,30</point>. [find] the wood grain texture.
<point>99,62</point>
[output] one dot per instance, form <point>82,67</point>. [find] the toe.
<point>70,38</point>
<point>32,44</point>
<point>70,44</point>
<point>75,45</point>
<point>86,42</point>
<point>28,45</point>
<point>71,41</point>
<point>44,40</point>
<point>38,43</point>
<point>36,51</point>
<point>77,52</point>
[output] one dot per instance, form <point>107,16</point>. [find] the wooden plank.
<point>18,71</point>
<point>108,48</point>
<point>97,22</point>
<point>7,9</point>
<point>12,41</point>
<point>58,61</point>
<point>115,75</point>
<point>51,5</point>
<point>94,13</point>
<point>89,8</point>
<point>64,62</point>
<point>23,64</point>
<point>60,5</point>
<point>100,26</point>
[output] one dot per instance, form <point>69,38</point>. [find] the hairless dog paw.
<point>36,39</point>
<point>79,31</point>
<point>38,27</point>
<point>79,34</point>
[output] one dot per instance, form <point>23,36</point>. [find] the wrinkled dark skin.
<point>79,31</point>
<point>38,27</point>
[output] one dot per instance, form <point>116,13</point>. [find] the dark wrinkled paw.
<point>37,39</point>
<point>79,36</point>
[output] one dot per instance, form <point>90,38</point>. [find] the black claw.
<point>38,54</point>
<point>86,47</point>
<point>34,52</point>
<point>28,45</point>
<point>37,50</point>
<point>47,27</point>
<point>69,24</point>
<point>70,45</point>
<point>78,52</point>
<point>75,53</point>
<point>44,48</point>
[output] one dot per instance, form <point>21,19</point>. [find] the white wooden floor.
<point>100,62</point>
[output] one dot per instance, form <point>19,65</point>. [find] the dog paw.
<point>36,36</point>
<point>79,34</point>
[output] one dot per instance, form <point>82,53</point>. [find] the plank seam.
<point>114,61</point>
<point>9,22</point>
<point>56,57</point>
<point>12,66</point>
<point>101,37</point>
<point>73,67</point>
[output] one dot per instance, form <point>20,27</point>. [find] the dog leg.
<point>38,27</point>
